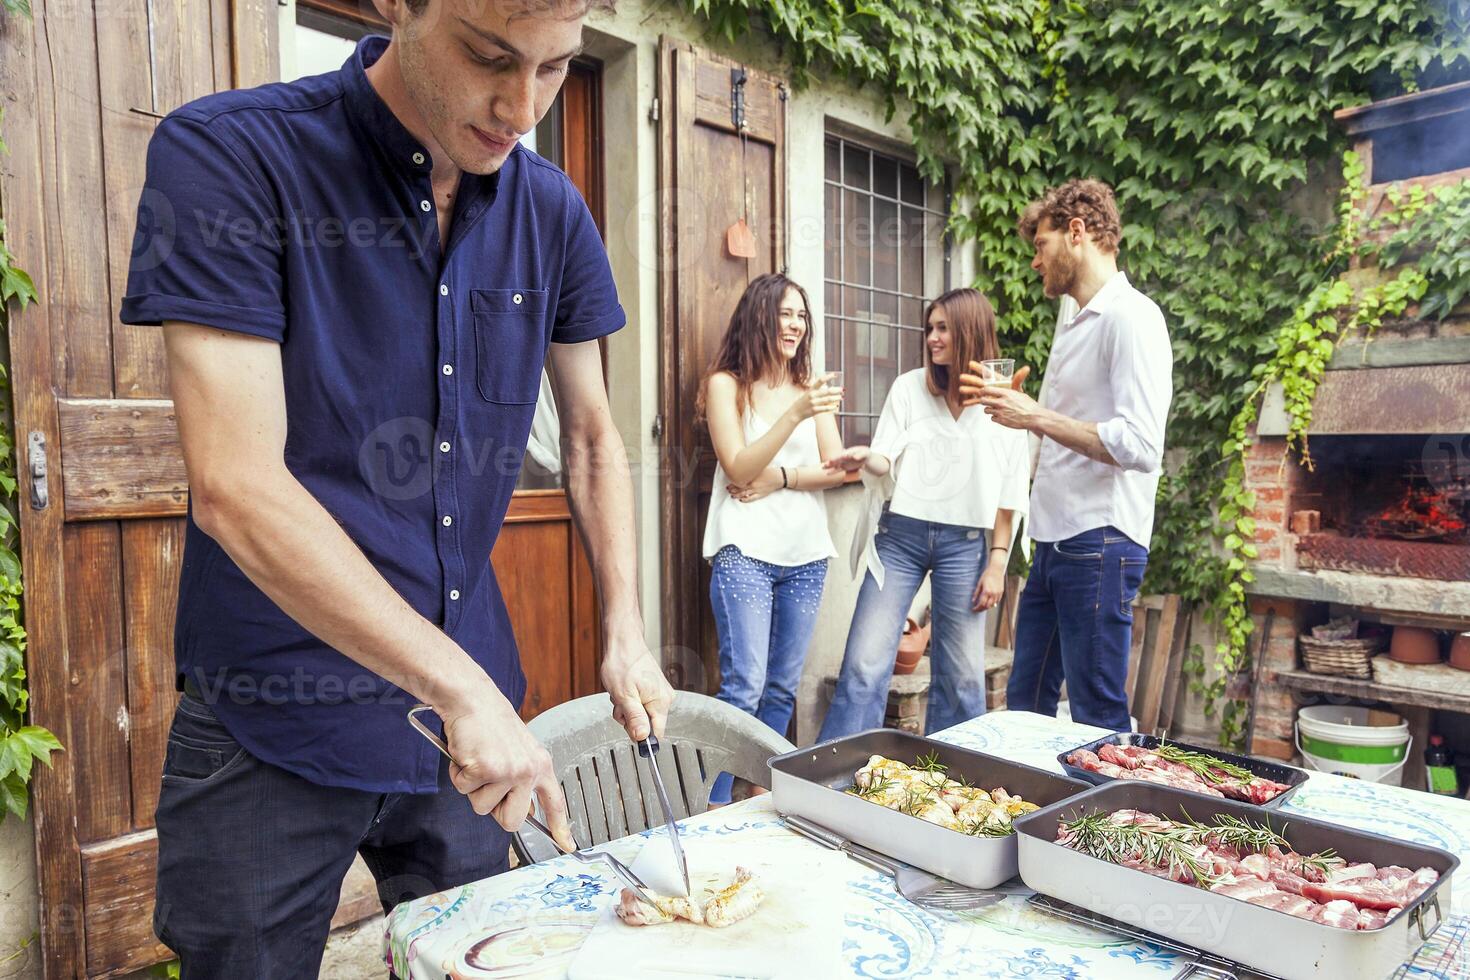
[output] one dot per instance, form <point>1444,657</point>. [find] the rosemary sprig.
<point>1206,767</point>
<point>1228,830</point>
<point>876,786</point>
<point>1323,861</point>
<point>983,828</point>
<point>915,800</point>
<point>930,763</point>
<point>1175,847</point>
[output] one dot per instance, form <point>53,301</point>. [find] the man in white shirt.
<point>1101,428</point>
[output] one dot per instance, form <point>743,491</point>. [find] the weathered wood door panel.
<point>547,583</point>
<point>101,556</point>
<point>722,155</point>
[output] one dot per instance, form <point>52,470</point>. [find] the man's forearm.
<point>600,493</point>
<point>296,553</point>
<point>1080,437</point>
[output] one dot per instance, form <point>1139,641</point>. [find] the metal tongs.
<point>648,748</point>
<point>617,867</point>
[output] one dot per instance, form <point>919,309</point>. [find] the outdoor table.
<point>536,917</point>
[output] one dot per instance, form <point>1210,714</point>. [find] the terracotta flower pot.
<point>911,647</point>
<point>1414,645</point>
<point>1460,651</point>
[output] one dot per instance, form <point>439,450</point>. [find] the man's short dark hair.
<point>1086,198</point>
<point>571,8</point>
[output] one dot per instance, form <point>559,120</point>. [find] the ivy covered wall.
<point>1211,120</point>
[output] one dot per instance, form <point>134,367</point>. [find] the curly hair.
<point>1086,198</point>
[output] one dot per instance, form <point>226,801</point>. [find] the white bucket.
<point>1338,739</point>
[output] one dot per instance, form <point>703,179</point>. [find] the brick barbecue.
<point>1378,527</point>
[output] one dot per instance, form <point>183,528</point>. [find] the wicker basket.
<point>1342,658</point>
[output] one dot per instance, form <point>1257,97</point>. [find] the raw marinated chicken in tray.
<point>1236,858</point>
<point>924,791</point>
<point>1180,768</point>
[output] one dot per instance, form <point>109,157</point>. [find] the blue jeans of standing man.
<point>1075,621</point>
<point>765,615</point>
<point>953,556</point>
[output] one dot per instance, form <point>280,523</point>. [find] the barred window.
<point>886,256</point>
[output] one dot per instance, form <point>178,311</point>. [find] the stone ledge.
<point>1449,600</point>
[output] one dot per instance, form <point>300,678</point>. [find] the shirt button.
<point>448,520</point>
<point>425,206</point>
<point>448,369</point>
<point>453,593</point>
<point>516,299</point>
<point>444,447</point>
<point>443,290</point>
<point>418,158</point>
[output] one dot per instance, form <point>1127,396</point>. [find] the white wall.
<point>627,42</point>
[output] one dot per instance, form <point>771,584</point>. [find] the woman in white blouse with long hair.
<point>954,481</point>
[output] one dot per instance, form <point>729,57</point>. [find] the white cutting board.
<point>796,934</point>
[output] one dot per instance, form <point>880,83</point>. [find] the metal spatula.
<point>918,886</point>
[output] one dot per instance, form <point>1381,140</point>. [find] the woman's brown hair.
<point>751,347</point>
<point>971,322</point>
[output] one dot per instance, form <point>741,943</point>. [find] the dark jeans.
<point>251,857</point>
<point>1075,621</point>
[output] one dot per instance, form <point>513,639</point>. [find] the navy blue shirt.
<point>303,213</point>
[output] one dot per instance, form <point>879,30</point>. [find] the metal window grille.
<point>886,255</point>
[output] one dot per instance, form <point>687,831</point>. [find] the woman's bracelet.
<point>784,484</point>
<point>998,548</point>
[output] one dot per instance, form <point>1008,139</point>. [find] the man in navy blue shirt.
<point>360,276</point>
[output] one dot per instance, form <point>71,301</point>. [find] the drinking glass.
<point>998,372</point>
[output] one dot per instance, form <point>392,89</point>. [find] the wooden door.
<point>722,153</point>
<point>101,549</point>
<point>539,558</point>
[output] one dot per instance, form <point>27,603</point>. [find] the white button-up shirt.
<point>946,470</point>
<point>1111,364</point>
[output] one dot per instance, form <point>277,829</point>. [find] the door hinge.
<point>36,461</point>
<point>738,78</point>
<point>658,426</point>
<point>653,110</point>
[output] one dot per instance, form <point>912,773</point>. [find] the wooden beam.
<point>257,49</point>
<point>1300,680</point>
<point>121,458</point>
<point>1149,697</point>
<point>118,878</point>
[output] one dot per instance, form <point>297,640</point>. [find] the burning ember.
<point>1420,514</point>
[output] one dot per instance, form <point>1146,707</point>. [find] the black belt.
<point>186,684</point>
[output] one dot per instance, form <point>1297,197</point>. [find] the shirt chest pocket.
<point>510,343</point>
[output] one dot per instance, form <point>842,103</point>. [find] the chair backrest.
<point>608,789</point>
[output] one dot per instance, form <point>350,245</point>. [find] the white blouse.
<point>785,527</point>
<point>945,470</point>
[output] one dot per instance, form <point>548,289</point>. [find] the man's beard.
<point>1060,275</point>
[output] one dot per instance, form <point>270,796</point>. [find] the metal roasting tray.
<point>1256,937</point>
<point>810,783</point>
<point>1290,775</point>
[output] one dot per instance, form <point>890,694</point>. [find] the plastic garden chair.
<point>609,792</point>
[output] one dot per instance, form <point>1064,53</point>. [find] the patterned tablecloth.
<point>530,922</point>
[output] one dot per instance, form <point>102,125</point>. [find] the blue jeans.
<point>954,556</point>
<point>1075,621</point>
<point>765,615</point>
